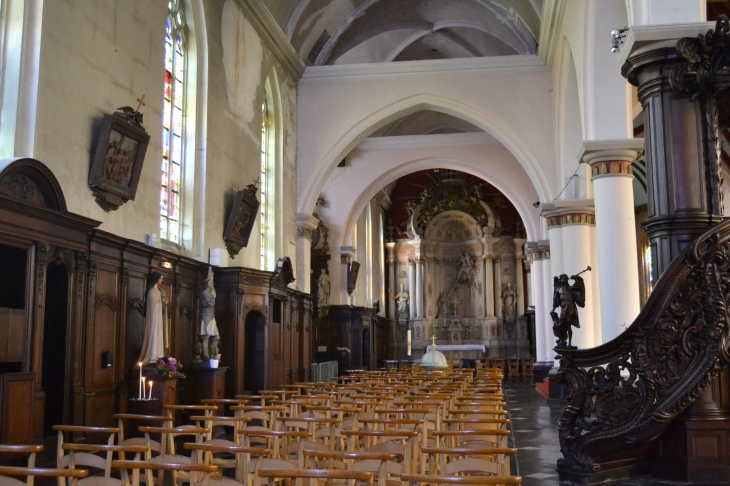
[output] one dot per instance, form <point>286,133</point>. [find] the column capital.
<point>569,212</point>
<point>306,224</point>
<point>610,158</point>
<point>346,253</point>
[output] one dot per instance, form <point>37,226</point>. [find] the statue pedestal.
<point>206,383</point>
<point>164,392</point>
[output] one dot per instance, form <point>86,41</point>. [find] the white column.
<point>30,60</point>
<point>577,226</point>
<point>392,283</point>
<point>489,284</point>
<point>201,132</point>
<point>543,333</point>
<point>519,279</point>
<point>419,287</point>
<point>411,287</point>
<point>498,286</point>
<point>305,225</point>
<point>612,176</point>
<point>546,288</point>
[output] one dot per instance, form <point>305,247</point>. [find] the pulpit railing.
<point>624,393</point>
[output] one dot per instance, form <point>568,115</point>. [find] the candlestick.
<point>142,397</point>
<point>150,396</point>
<point>140,381</point>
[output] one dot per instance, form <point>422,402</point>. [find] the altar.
<point>458,352</point>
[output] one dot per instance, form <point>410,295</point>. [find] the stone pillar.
<point>682,166</point>
<point>543,325</point>
<point>489,284</point>
<point>610,162</point>
<point>546,295</point>
<point>411,287</point>
<point>572,225</point>
<point>519,279</point>
<point>497,294</point>
<point>392,283</point>
<point>305,225</point>
<point>346,254</point>
<point>481,286</point>
<point>419,286</point>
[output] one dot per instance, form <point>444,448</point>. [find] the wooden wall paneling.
<point>78,296</point>
<point>256,288</point>
<point>40,254</point>
<point>188,285</point>
<point>16,407</point>
<point>228,316</point>
<point>307,338</point>
<point>288,338</point>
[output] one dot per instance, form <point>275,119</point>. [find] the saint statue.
<point>208,329</point>
<point>153,345</point>
<point>568,297</point>
<point>509,302</point>
<point>323,288</point>
<point>401,299</point>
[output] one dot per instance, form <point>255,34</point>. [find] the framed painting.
<point>118,160</point>
<point>241,219</point>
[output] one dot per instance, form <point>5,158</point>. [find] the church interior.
<point>392,241</point>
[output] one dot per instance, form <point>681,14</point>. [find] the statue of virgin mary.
<point>153,345</point>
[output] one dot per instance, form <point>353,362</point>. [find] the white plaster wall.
<point>98,56</point>
<point>340,105</point>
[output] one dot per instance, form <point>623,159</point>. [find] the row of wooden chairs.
<point>515,369</point>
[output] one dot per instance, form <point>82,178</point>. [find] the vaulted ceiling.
<point>360,31</point>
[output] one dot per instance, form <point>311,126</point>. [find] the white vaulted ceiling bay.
<point>365,31</point>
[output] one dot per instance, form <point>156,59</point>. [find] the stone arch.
<point>315,181</point>
<point>530,217</point>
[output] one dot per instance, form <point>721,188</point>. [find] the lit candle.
<point>150,396</point>
<point>140,381</point>
<point>409,342</point>
<point>142,389</point>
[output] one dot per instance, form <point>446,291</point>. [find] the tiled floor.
<point>535,434</point>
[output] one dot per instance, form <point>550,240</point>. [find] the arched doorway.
<point>53,372</point>
<point>254,353</point>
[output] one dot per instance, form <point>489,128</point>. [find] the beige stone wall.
<point>97,56</point>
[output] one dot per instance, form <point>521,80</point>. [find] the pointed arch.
<point>406,106</point>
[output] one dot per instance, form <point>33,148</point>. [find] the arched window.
<point>173,114</point>
<point>264,208</point>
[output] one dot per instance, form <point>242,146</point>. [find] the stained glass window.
<point>264,178</point>
<point>172,123</point>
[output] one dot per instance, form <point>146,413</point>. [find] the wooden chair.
<point>84,455</point>
<point>513,366</point>
<point>528,369</point>
<point>186,410</point>
<point>168,454</point>
<point>63,460</point>
<point>378,463</point>
<point>440,457</point>
<point>31,473</point>
<point>207,453</point>
<point>193,470</point>
<point>454,439</point>
<point>352,477</point>
<point>416,479</point>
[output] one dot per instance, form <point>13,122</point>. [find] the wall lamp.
<point>617,38</point>
<point>536,204</point>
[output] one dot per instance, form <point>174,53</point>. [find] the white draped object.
<point>153,346</point>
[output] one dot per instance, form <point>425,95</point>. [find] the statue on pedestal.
<point>153,344</point>
<point>509,303</point>
<point>323,288</point>
<point>208,332</point>
<point>402,299</point>
<point>568,297</point>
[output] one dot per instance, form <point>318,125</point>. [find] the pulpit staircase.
<point>625,393</point>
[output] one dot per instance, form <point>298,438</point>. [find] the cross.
<point>141,103</point>
<point>433,339</point>
<point>455,303</point>
<point>257,182</point>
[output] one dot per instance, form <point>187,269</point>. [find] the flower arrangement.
<point>215,351</point>
<point>168,366</point>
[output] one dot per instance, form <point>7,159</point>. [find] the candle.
<point>150,396</point>
<point>140,381</point>
<point>142,397</point>
<point>409,342</point>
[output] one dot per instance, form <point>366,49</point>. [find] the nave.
<point>393,427</point>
